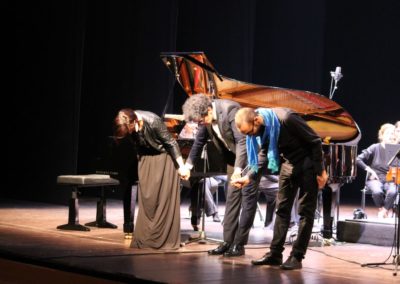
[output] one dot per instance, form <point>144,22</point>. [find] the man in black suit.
<point>217,122</point>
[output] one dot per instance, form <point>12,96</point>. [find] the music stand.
<point>396,242</point>
<point>202,238</point>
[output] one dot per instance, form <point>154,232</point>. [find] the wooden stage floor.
<point>32,250</point>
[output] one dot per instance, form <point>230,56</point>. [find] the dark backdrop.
<point>78,62</point>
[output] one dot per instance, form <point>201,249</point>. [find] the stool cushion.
<point>92,179</point>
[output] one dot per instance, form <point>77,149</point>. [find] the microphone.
<point>204,152</point>
<point>337,75</point>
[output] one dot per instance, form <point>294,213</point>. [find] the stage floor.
<point>32,250</point>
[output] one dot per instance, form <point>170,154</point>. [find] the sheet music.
<point>391,150</point>
<point>189,131</point>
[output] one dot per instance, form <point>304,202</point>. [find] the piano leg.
<point>327,209</point>
<point>129,202</point>
<point>330,202</point>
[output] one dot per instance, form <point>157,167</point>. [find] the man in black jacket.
<point>288,145</point>
<point>217,123</point>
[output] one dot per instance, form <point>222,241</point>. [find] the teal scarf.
<point>272,127</point>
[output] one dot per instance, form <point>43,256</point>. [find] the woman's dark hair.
<point>122,122</point>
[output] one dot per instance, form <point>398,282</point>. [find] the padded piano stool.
<point>77,182</point>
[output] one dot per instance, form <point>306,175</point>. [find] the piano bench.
<point>77,182</point>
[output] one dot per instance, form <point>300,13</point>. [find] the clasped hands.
<point>239,181</point>
<point>236,179</point>
<point>184,172</point>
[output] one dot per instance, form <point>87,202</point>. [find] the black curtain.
<point>78,62</point>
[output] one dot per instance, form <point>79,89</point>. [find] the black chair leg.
<point>101,219</point>
<point>73,214</point>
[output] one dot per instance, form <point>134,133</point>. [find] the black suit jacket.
<point>235,152</point>
<point>157,135</point>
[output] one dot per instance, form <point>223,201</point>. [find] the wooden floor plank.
<point>28,235</point>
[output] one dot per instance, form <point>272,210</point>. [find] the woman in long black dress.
<point>158,220</point>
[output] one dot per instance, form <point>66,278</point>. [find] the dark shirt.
<point>375,157</point>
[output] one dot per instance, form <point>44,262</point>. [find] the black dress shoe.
<point>268,259</point>
<point>235,250</point>
<point>291,263</point>
<point>223,247</point>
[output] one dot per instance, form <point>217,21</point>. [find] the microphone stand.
<point>202,239</point>
<point>171,88</point>
<point>396,242</point>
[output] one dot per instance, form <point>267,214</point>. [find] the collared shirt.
<point>214,125</point>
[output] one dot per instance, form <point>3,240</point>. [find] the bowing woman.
<point>158,220</point>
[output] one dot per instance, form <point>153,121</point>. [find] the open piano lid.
<point>196,74</point>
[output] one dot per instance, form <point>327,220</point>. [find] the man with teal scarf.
<point>281,140</point>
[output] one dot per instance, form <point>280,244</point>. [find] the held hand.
<point>372,173</point>
<point>322,179</point>
<point>184,173</point>
<point>240,182</point>
<point>236,174</point>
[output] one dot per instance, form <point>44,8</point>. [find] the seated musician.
<point>269,188</point>
<point>374,161</point>
<point>217,123</point>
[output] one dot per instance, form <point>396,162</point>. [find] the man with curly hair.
<point>216,121</point>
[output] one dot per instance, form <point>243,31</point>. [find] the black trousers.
<point>292,178</point>
<point>240,209</point>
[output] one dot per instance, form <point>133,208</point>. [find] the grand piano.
<point>337,129</point>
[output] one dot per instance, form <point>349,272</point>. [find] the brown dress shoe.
<point>223,247</point>
<point>268,259</point>
<point>292,263</point>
